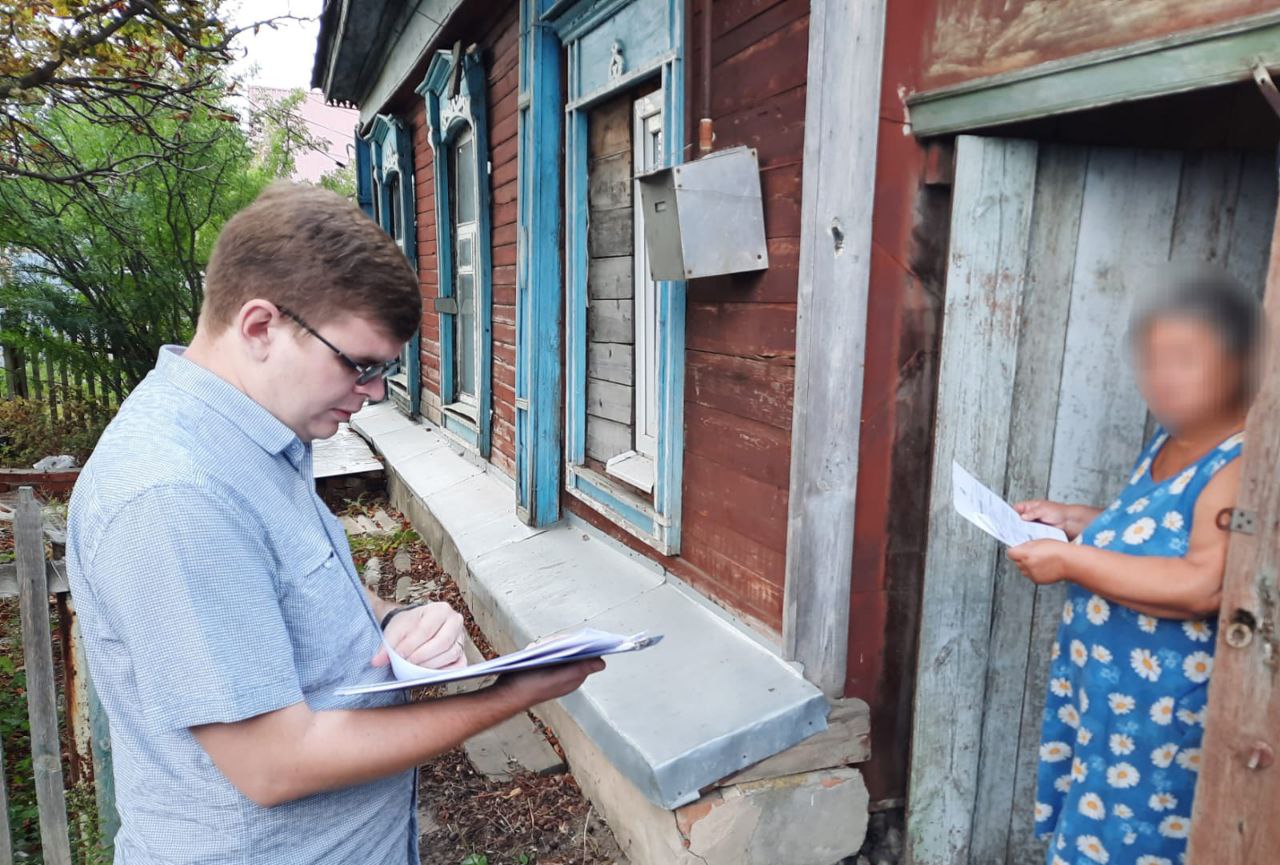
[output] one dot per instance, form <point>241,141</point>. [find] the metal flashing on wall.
<point>705,218</point>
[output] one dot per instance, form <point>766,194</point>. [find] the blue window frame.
<point>454,90</point>
<point>611,47</point>
<point>392,205</point>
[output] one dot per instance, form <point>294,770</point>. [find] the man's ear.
<point>259,324</point>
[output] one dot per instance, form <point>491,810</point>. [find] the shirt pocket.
<point>325,616</point>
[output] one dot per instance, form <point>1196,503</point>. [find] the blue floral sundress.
<point>1124,716</point>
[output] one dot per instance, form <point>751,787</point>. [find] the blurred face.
<point>306,384</point>
<point>1186,374</point>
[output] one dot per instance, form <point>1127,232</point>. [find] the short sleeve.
<point>187,587</point>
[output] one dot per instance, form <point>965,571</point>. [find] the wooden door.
<point>1049,246</point>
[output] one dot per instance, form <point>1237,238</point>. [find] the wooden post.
<point>6,837</point>
<point>842,120</point>
<point>1235,817</point>
<point>42,707</point>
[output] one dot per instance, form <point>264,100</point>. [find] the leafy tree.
<point>104,274</point>
<point>130,66</point>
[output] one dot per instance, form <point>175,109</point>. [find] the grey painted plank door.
<point>1050,244</point>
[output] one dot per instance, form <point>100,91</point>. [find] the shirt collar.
<point>260,425</point>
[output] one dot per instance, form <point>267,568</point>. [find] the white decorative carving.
<point>617,64</point>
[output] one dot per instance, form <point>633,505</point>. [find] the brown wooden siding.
<point>970,39</point>
<point>500,44</point>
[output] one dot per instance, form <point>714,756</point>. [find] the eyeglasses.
<point>365,373</point>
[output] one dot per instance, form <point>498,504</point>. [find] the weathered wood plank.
<point>611,361</point>
<point>1055,226</point>
<point>609,182</point>
<point>1234,817</point>
<point>55,574</point>
<point>846,741</point>
<point>838,183</point>
<point>1126,227</point>
<point>609,400</point>
<point>6,837</point>
<point>609,233</point>
<point>1255,210</point>
<point>606,438</point>
<point>42,708</point>
<point>610,278</point>
<point>610,321</point>
<point>991,231</point>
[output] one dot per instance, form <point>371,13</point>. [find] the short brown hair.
<point>310,250</point>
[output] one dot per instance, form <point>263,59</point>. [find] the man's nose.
<point>374,390</point>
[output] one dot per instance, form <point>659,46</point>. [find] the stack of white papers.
<point>565,649</point>
<point>992,514</point>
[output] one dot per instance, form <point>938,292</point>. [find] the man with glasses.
<point>216,593</point>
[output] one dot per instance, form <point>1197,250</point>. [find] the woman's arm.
<point>1072,519</point>
<point>1184,588</point>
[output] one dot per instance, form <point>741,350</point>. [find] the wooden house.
<point>959,199</point>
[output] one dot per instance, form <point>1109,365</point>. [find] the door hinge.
<point>1236,520</point>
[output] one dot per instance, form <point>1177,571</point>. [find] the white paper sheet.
<point>992,514</point>
<point>566,648</point>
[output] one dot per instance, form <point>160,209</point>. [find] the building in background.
<point>330,125</point>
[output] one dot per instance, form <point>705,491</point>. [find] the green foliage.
<point>27,433</point>
<point>15,732</point>
<point>364,546</point>
<point>476,859</point>
<point>120,265</point>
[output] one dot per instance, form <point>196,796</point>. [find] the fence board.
<point>6,837</point>
<point>42,708</point>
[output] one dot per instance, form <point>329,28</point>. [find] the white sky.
<point>282,56</point>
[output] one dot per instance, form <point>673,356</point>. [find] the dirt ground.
<point>466,818</point>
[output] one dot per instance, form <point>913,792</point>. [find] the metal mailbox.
<point>705,218</point>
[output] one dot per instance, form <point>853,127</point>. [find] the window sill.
<point>622,505</point>
<point>633,468</point>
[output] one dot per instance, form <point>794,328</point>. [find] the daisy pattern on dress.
<point>1197,667</point>
<point>1068,612</point>
<point>1152,860</point>
<point>1237,439</point>
<point>1140,531</point>
<point>1043,812</point>
<point>1144,664</point>
<point>1084,735</point>
<point>1121,704</point>
<point>1140,471</point>
<point>1056,752</point>
<point>1122,776</point>
<point>1148,624</point>
<point>1097,610</point>
<point>1092,847</point>
<point>1181,483</point>
<point>1191,718</point>
<point>1069,716</point>
<point>1173,521</point>
<point>1198,631</point>
<point>1084,701</point>
<point>1079,654</point>
<point>1189,759</point>
<point>1162,711</point>
<point>1078,770</point>
<point>1101,654</point>
<point>1175,827</point>
<point>1055,651</point>
<point>1063,784</point>
<point>1091,806</point>
<point>1138,506</point>
<point>1123,811</point>
<point>1162,802</point>
<point>1060,687</point>
<point>1162,757</point>
<point>1121,744</point>
<point>1104,538</point>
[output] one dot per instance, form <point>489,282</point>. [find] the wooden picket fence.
<point>53,382</point>
<point>33,577</point>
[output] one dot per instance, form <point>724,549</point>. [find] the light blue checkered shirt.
<point>212,585</point>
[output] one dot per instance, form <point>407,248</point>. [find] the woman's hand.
<point>430,636</point>
<point>1072,519</point>
<point>1041,562</point>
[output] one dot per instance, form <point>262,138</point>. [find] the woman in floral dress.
<point>1131,665</point>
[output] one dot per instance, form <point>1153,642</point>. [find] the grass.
<point>365,546</point>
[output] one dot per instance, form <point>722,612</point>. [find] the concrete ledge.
<point>707,702</point>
